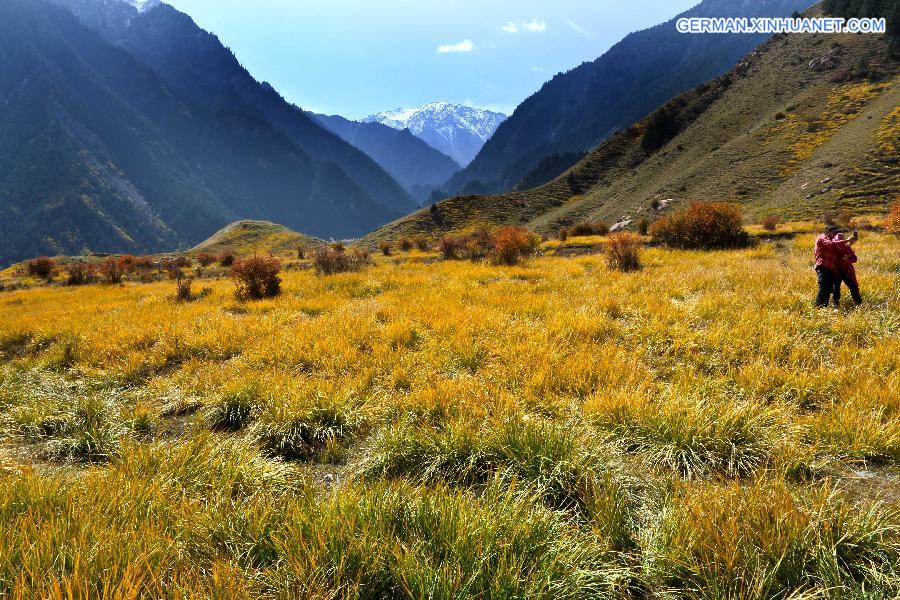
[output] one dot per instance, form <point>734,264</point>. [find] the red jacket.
<point>828,252</point>
<point>845,259</point>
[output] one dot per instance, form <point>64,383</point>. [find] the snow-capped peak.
<point>456,130</point>
<point>480,122</point>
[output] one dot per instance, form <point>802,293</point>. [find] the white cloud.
<point>537,69</point>
<point>463,46</point>
<point>535,26</point>
<point>532,26</point>
<point>578,28</point>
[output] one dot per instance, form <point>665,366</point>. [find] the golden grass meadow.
<point>449,429</point>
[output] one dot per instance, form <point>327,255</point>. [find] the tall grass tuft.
<point>765,541</point>
<point>623,252</point>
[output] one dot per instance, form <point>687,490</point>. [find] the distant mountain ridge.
<point>576,110</point>
<point>456,130</point>
<point>413,163</point>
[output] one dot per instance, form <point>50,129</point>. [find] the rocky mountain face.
<point>99,152</point>
<point>576,110</point>
<point>456,130</point>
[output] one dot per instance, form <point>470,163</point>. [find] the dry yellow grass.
<point>554,429</point>
<point>805,135</point>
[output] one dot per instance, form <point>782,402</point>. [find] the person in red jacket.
<point>846,272</point>
<point>828,249</point>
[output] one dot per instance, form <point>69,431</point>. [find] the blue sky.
<point>358,57</point>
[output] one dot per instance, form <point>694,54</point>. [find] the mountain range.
<point>456,130</point>
<point>803,125</point>
<point>126,130</point>
<point>125,127</point>
<point>577,109</point>
<point>195,64</point>
<point>407,158</point>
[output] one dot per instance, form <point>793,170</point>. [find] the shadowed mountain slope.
<point>195,64</point>
<point>98,153</point>
<point>408,159</point>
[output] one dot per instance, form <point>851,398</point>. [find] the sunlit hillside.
<point>427,428</point>
<point>775,134</point>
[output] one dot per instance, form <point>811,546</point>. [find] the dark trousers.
<point>852,285</point>
<point>828,280</point>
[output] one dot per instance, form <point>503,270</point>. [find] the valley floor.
<point>433,429</point>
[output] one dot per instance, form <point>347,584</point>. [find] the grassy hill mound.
<point>254,237</point>
<point>774,134</point>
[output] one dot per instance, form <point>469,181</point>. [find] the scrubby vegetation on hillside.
<point>450,429</point>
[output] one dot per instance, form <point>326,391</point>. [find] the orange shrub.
<point>703,225</point>
<point>385,248</point>
<point>511,244</point>
<point>892,221</point>
<point>42,267</point>
<point>256,278</point>
<point>421,243</point>
<point>405,244</point>
<point>111,270</point>
<point>205,259</point>
<point>624,252</point>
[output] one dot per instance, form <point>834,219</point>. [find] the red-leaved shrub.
<point>703,225</point>
<point>205,259</point>
<point>111,270</point>
<point>452,247</point>
<point>137,264</point>
<point>328,260</point>
<point>771,223</point>
<point>256,278</point>
<point>80,273</point>
<point>226,258</point>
